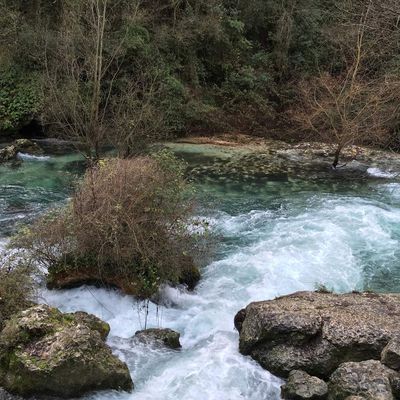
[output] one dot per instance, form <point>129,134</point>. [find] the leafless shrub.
<point>129,218</point>
<point>353,106</point>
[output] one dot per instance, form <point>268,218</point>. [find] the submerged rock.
<point>368,379</point>
<point>10,153</point>
<point>302,386</point>
<point>316,332</point>
<point>45,352</point>
<point>165,337</point>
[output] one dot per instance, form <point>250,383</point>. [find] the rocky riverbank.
<point>234,158</point>
<point>10,153</point>
<point>329,346</point>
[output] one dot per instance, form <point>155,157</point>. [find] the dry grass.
<point>17,287</point>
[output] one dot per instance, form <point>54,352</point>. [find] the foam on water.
<point>379,173</point>
<point>31,157</point>
<point>273,240</point>
<point>264,254</point>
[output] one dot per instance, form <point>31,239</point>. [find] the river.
<point>275,236</point>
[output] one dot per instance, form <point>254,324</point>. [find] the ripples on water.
<point>32,187</point>
<point>276,238</point>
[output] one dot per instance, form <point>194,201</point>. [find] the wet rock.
<point>45,352</point>
<point>273,160</point>
<point>165,337</point>
<point>58,146</point>
<point>316,332</point>
<point>391,354</point>
<point>10,153</point>
<point>368,379</point>
<point>239,319</point>
<point>302,386</point>
<point>190,276</point>
<point>4,395</point>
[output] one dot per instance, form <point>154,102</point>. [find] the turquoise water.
<point>275,236</point>
<point>31,187</point>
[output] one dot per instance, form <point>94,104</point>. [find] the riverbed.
<point>276,232</point>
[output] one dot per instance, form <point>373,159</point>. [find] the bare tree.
<point>137,116</point>
<point>76,67</point>
<point>353,106</point>
<point>93,97</point>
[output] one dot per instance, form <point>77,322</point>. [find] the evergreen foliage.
<point>199,65</point>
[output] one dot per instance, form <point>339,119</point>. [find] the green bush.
<point>20,98</point>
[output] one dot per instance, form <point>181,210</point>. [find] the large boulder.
<point>45,352</point>
<point>165,337</point>
<point>302,386</point>
<point>317,331</point>
<point>369,380</point>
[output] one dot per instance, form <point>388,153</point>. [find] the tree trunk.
<point>337,156</point>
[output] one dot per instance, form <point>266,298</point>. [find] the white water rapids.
<point>281,254</point>
<point>274,240</point>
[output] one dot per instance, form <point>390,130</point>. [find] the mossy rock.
<point>46,352</point>
<point>92,322</point>
<point>10,153</point>
<point>164,337</point>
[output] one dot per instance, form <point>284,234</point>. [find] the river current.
<point>274,237</point>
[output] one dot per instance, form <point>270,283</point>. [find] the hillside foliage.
<point>171,67</point>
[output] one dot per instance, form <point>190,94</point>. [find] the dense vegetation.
<point>129,72</point>
<point>178,66</point>
<point>129,225</point>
